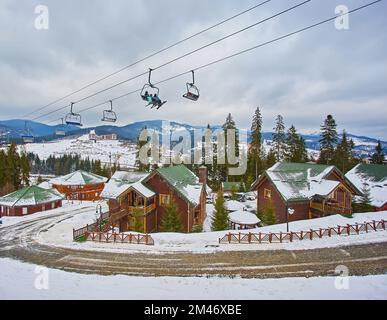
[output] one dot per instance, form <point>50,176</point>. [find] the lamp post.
<point>98,209</point>
<point>289,211</point>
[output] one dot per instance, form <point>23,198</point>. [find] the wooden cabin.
<point>152,192</point>
<point>80,185</point>
<point>374,177</point>
<point>304,190</point>
<point>29,200</point>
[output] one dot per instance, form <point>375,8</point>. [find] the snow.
<point>121,152</point>
<point>18,279</point>
<point>121,181</point>
<point>378,189</point>
<point>30,198</point>
<point>193,192</point>
<point>78,178</point>
<point>233,205</point>
<point>61,235</point>
<point>243,217</point>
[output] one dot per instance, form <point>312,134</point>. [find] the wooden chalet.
<point>80,185</point>
<point>304,190</point>
<point>373,176</point>
<point>29,200</point>
<point>152,192</point>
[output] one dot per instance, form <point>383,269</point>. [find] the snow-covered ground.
<point>121,152</point>
<point>27,281</point>
<point>61,235</point>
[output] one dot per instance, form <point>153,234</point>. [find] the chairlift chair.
<point>148,93</point>
<point>109,115</point>
<point>73,118</point>
<point>60,130</point>
<point>192,90</point>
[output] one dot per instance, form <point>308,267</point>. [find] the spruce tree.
<point>328,140</point>
<point>220,218</point>
<point>229,125</point>
<point>364,202</point>
<point>279,138</point>
<point>343,158</point>
<point>137,220</point>
<point>378,156</point>
<point>270,159</point>
<point>255,153</point>
<point>295,147</point>
<point>269,216</point>
<point>171,221</point>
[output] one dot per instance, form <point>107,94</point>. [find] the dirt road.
<point>19,242</point>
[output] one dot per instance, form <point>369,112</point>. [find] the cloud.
<point>303,78</point>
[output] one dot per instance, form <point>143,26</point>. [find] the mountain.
<point>13,129</point>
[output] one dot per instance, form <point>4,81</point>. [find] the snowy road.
<point>19,241</point>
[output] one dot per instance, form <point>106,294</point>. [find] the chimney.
<point>203,174</point>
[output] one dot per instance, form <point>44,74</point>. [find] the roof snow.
<point>243,217</point>
<point>375,177</point>
<point>122,181</point>
<point>30,196</point>
<point>78,178</point>
<point>301,181</point>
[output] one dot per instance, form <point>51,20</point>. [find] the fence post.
<point>311,234</point>
<point>357,228</point>
<point>229,237</point>
<point>270,237</point>
<point>338,230</point>
<point>320,235</point>
<point>239,237</point>
<point>291,236</point>
<point>383,224</point>
<point>280,236</point>
<point>374,224</point>
<point>366,226</point>
<point>302,235</point>
<point>348,229</point>
<point>260,237</point>
<point>249,237</point>
<point>329,232</point>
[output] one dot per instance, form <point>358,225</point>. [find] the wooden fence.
<point>119,237</point>
<point>77,234</point>
<point>302,235</point>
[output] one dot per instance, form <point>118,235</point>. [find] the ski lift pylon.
<point>109,115</point>
<point>27,136</point>
<point>73,118</point>
<point>192,90</point>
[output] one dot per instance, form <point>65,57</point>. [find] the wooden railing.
<point>302,235</point>
<point>119,237</point>
<point>328,208</point>
<point>78,233</point>
<point>146,209</point>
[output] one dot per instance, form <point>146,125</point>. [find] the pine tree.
<point>295,147</point>
<point>137,220</point>
<point>269,216</point>
<point>171,221</point>
<point>229,125</point>
<point>328,140</point>
<point>255,154</point>
<point>378,156</point>
<point>270,159</point>
<point>279,137</point>
<point>364,202</point>
<point>25,170</point>
<point>220,218</point>
<point>343,158</point>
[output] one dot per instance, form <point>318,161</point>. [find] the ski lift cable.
<point>181,56</point>
<point>238,53</point>
<point>149,56</point>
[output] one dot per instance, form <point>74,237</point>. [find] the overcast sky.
<point>304,78</point>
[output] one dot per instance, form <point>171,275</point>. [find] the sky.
<point>304,78</point>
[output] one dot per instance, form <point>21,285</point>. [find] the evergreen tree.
<point>137,220</point>
<point>378,156</point>
<point>25,170</point>
<point>328,140</point>
<point>171,221</point>
<point>229,125</point>
<point>220,218</point>
<point>364,202</point>
<point>295,147</point>
<point>270,159</point>
<point>279,137</point>
<point>343,154</point>
<point>269,216</point>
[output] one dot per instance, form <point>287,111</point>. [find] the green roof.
<point>375,172</point>
<point>30,196</point>
<point>184,181</point>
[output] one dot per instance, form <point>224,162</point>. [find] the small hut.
<point>80,185</point>
<point>29,200</point>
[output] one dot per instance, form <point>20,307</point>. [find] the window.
<point>53,205</point>
<point>24,210</point>
<point>267,194</point>
<point>164,199</point>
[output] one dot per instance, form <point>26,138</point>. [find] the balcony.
<point>330,208</point>
<point>146,209</point>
